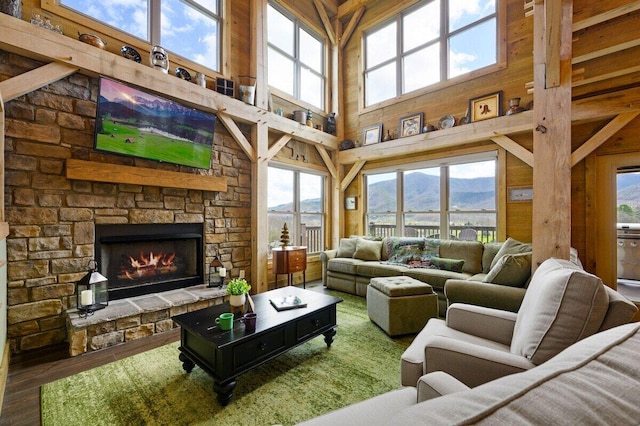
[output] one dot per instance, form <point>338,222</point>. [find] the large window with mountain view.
<point>296,198</point>
<point>455,200</point>
<point>430,42</point>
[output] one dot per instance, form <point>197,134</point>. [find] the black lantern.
<point>91,291</point>
<point>217,273</point>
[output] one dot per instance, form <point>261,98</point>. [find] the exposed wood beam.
<point>350,6</point>
<point>514,148</point>
<point>258,57</point>
<point>606,51</point>
<point>34,79</point>
<point>353,172</point>
<point>607,76</point>
<point>276,147</point>
<point>605,16</point>
<point>115,173</point>
<point>325,21</point>
<point>445,138</point>
<point>551,210</point>
<point>606,105</point>
<point>34,42</point>
<point>237,135</point>
<point>2,127</point>
<point>351,27</point>
<point>602,136</point>
<point>552,37</point>
<point>327,161</point>
<point>259,208</point>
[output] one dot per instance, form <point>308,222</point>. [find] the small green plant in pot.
<point>237,290</point>
<point>238,287</point>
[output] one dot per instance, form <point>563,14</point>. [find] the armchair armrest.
<point>324,258</point>
<point>484,294</point>
<point>471,363</point>
<point>437,384</point>
<point>488,323</point>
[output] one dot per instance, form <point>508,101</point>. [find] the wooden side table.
<point>289,260</point>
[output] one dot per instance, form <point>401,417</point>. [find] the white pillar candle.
<point>222,272</point>
<point>86,297</point>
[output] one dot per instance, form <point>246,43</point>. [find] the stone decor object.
<point>11,7</point>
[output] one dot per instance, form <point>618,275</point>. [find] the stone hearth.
<point>129,319</point>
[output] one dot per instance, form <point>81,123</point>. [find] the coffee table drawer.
<point>312,323</point>
<point>256,349</point>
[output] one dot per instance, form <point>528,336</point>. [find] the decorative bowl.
<point>92,39</point>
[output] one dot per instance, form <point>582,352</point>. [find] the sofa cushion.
<point>454,265</point>
<point>344,265</point>
<point>367,249</point>
<point>511,246</point>
<point>347,247</point>
<point>469,251</point>
<point>379,269</point>
<point>511,269</point>
<point>562,305</point>
<point>435,277</point>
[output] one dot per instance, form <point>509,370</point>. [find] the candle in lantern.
<point>86,297</point>
<point>222,272</point>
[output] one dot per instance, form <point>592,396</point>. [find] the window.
<point>456,200</point>
<point>431,42</point>
<point>296,198</point>
<point>296,57</point>
<point>189,28</point>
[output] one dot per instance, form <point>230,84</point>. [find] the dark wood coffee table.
<point>227,354</point>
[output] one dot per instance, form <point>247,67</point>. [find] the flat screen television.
<point>130,121</point>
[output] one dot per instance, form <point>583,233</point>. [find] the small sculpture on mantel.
<point>284,237</point>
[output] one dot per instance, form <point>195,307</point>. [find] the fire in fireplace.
<point>144,259</point>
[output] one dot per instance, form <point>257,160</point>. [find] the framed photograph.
<point>372,134</point>
<point>484,107</point>
<point>410,125</point>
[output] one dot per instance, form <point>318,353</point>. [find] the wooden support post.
<point>552,130</point>
<point>259,220</point>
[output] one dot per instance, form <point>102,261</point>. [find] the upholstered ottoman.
<point>400,305</point>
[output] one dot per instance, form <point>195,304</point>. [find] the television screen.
<point>130,121</point>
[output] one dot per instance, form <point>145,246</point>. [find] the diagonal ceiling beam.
<point>351,27</point>
<point>327,161</point>
<point>353,172</point>
<point>514,148</point>
<point>325,21</point>
<point>276,147</point>
<point>35,79</point>
<point>237,135</point>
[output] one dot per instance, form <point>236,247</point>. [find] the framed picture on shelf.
<point>485,107</point>
<point>410,124</point>
<point>372,134</point>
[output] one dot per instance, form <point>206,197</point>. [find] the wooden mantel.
<point>114,173</point>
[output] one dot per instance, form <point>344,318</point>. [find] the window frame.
<point>444,211</point>
<point>300,23</point>
<point>144,46</point>
<point>297,213</point>
<point>501,53</point>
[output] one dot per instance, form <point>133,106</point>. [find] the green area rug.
<point>151,388</point>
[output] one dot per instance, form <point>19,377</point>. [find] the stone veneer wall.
<point>52,219</point>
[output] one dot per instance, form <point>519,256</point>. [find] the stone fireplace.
<point>140,259</point>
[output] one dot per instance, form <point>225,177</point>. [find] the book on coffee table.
<point>287,302</point>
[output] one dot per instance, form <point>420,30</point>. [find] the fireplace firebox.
<point>149,258</point>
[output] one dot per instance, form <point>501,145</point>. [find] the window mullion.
<point>444,40</point>
<point>444,202</point>
<point>399,57</point>
<point>399,203</point>
<point>155,22</point>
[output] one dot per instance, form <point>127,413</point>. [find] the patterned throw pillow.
<point>403,255</point>
<point>453,265</point>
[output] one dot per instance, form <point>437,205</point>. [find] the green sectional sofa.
<point>492,274</point>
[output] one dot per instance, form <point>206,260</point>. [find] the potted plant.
<point>237,290</point>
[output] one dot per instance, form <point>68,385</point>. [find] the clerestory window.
<point>428,43</point>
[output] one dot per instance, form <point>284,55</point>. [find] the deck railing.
<point>484,233</point>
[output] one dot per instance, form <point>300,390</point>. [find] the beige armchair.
<point>562,305</point>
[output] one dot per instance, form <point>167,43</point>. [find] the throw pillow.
<point>367,249</point>
<point>562,305</point>
<point>511,270</point>
<point>453,265</point>
<point>347,247</point>
<point>511,246</point>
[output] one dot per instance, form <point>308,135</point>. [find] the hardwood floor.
<point>22,395</point>
<point>21,404</point>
